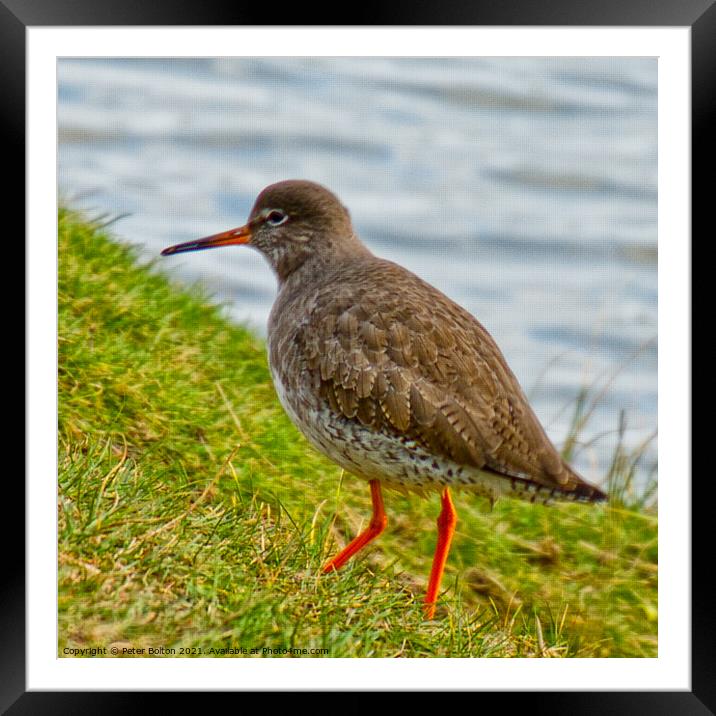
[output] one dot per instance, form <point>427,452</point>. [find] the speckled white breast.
<point>397,462</point>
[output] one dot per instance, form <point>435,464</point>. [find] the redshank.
<point>386,375</point>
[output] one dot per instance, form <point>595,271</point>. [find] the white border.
<point>671,670</point>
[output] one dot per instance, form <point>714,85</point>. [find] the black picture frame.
<point>699,15</point>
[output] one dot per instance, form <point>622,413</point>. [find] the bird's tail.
<point>581,490</point>
<point>584,492</point>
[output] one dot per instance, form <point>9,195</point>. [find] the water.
<point>524,188</point>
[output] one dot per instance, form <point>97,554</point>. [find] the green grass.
<point>193,515</point>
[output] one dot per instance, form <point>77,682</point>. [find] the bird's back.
<point>372,350</point>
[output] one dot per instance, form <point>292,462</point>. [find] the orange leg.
<point>446,528</point>
<point>377,524</point>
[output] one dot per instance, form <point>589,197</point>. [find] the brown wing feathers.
<point>433,375</point>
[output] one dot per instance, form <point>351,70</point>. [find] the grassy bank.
<point>192,514</point>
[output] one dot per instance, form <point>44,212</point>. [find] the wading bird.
<point>386,375</point>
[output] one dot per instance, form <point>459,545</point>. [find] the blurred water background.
<point>524,188</point>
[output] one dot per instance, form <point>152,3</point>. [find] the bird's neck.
<point>309,266</point>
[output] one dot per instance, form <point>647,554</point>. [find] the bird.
<point>387,376</point>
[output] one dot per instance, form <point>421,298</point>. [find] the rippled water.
<point>524,188</point>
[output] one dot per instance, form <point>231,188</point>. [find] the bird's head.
<point>291,222</point>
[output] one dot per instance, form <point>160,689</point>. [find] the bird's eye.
<point>276,217</point>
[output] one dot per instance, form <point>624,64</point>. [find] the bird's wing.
<point>411,361</point>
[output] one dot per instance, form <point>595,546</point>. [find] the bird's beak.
<point>242,235</point>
